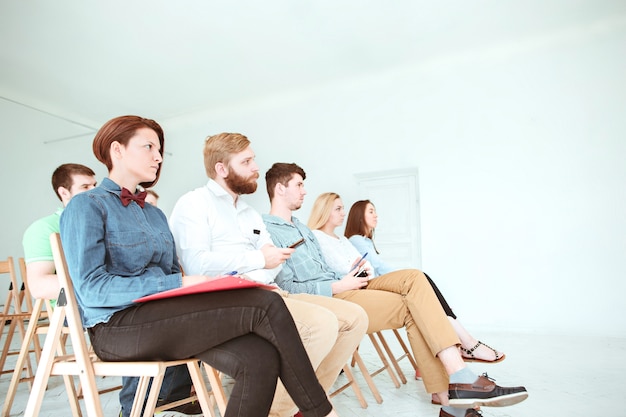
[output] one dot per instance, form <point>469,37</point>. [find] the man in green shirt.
<point>67,181</point>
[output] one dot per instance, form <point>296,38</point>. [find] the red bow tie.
<point>127,197</point>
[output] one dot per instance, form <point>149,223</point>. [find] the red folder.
<point>219,284</point>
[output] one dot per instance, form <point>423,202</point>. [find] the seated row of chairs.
<point>63,323</point>
<point>17,309</point>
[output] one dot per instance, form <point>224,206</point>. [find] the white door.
<point>395,194</point>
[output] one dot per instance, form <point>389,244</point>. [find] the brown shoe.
<point>470,412</point>
<point>484,392</point>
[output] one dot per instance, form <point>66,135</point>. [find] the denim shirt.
<point>116,254</point>
<point>305,271</point>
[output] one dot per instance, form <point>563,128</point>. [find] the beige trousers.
<point>331,329</point>
<point>404,298</point>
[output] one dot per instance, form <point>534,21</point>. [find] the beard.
<point>240,184</point>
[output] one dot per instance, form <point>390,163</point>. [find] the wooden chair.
<point>37,325</point>
<point>388,359</point>
<point>86,365</point>
<point>12,316</point>
<point>406,353</point>
<point>352,383</point>
<point>26,294</point>
<point>383,357</point>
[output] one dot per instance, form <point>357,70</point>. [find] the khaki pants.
<point>330,329</point>
<point>404,298</point>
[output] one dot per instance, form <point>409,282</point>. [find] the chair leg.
<point>201,389</point>
<point>368,377</point>
<point>391,357</point>
<point>351,383</point>
<point>386,364</point>
<point>407,352</point>
<point>15,323</point>
<point>72,396</point>
<point>16,378</point>
<point>45,365</point>
<point>153,395</point>
<point>217,387</point>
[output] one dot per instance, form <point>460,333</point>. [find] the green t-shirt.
<point>36,240</point>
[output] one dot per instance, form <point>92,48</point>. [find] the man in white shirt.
<point>216,233</point>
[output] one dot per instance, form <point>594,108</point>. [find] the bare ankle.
<point>443,397</point>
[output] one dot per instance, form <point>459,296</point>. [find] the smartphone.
<point>295,245</point>
<point>356,264</point>
<point>362,273</point>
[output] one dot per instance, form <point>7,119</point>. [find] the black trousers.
<point>248,334</point>
<point>441,299</point>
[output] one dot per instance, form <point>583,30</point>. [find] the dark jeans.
<point>176,386</point>
<point>248,334</point>
<point>442,300</point>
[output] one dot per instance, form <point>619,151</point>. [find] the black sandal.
<point>471,358</point>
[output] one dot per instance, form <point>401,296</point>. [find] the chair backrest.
<point>12,304</point>
<point>66,298</point>
<point>12,315</point>
<point>6,266</point>
<point>65,314</point>
<point>28,298</point>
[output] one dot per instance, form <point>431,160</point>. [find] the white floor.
<point>565,376</point>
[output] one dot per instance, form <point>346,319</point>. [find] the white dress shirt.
<point>215,237</point>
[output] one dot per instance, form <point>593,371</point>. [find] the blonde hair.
<point>221,148</point>
<point>321,210</point>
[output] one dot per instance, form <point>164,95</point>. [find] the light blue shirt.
<point>116,254</point>
<point>305,271</point>
<point>365,244</point>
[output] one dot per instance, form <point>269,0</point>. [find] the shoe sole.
<point>502,401</point>
<point>476,360</point>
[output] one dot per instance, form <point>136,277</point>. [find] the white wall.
<point>520,149</point>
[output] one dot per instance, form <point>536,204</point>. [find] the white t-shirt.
<point>339,253</point>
